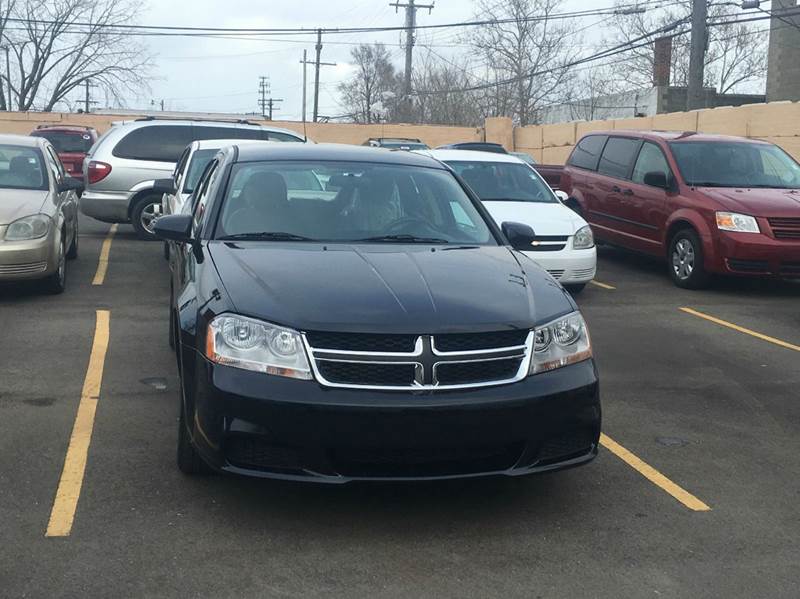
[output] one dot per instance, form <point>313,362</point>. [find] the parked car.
<point>551,173</point>
<point>512,191</point>
<point>382,331</point>
<point>525,157</point>
<point>72,144</point>
<point>122,166</point>
<point>707,203</point>
<point>477,146</point>
<point>38,212</point>
<point>396,143</point>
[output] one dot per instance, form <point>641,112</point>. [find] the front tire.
<point>685,260</point>
<point>143,214</point>
<point>73,248</point>
<point>575,288</point>
<point>56,283</point>
<point>189,460</point>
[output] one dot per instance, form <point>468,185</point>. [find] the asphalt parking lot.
<point>695,492</point>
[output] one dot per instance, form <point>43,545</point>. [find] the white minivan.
<point>513,191</point>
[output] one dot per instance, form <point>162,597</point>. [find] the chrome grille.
<point>23,269</point>
<point>452,361</point>
<point>785,228</point>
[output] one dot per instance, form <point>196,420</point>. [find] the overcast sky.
<point>201,74</point>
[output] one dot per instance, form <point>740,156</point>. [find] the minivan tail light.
<point>97,171</point>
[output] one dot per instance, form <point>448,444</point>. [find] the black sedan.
<point>345,313</point>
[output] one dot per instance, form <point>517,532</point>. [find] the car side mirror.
<point>174,227</point>
<point>164,186</point>
<point>520,236</point>
<point>656,179</point>
<point>70,184</point>
<point>561,195</point>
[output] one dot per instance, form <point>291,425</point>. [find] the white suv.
<point>513,191</point>
<point>122,166</point>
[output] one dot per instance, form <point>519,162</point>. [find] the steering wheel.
<point>401,225</point>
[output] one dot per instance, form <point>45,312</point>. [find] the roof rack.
<point>195,119</point>
<point>49,125</point>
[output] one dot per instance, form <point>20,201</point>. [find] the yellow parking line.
<point>653,475</point>
<point>603,285</point>
<point>736,327</point>
<point>102,263</point>
<point>69,486</point>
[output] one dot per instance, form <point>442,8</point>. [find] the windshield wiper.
<point>403,239</point>
<point>265,236</point>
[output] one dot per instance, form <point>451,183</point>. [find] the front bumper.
<point>756,254</point>
<point>568,266</point>
<point>106,206</point>
<point>258,425</point>
<point>24,260</point>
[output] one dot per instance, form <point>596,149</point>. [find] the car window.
<point>161,143</point>
<point>68,142</point>
<point>203,194</point>
<point>618,157</point>
<point>180,167</point>
<point>22,167</point>
<point>508,181</point>
<point>587,152</point>
<point>651,159</point>
<point>368,201</point>
<point>197,165</point>
<point>735,164</point>
<point>209,132</point>
<point>280,136</point>
<point>55,166</point>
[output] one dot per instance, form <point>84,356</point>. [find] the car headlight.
<point>741,223</point>
<point>29,227</point>
<point>584,239</point>
<point>560,343</point>
<point>251,344</point>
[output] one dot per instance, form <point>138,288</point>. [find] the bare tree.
<point>443,102</point>
<point>366,95</point>
<point>596,85</point>
<point>527,40</point>
<point>736,53</point>
<point>6,7</point>
<point>59,45</point>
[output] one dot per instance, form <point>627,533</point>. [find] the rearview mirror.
<point>70,184</point>
<point>520,236</point>
<point>174,227</point>
<point>164,186</point>
<point>656,179</point>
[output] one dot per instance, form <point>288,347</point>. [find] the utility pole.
<point>317,65</point>
<point>411,23</point>
<point>304,62</point>
<point>87,101</point>
<point>270,103</point>
<point>8,78</point>
<point>697,55</point>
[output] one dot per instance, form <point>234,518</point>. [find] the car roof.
<point>470,156</point>
<point>669,136</point>
<point>75,128</point>
<point>248,152</point>
<point>138,123</point>
<point>22,140</point>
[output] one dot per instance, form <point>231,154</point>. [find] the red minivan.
<point>72,143</point>
<point>707,203</point>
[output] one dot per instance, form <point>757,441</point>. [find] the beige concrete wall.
<point>25,122</point>
<point>778,122</point>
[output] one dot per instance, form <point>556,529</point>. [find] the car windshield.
<point>66,142</point>
<point>21,168</point>
<point>198,164</point>
<point>735,164</point>
<point>348,202</point>
<point>504,181</point>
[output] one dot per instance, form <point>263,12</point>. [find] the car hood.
<point>756,201</point>
<point>545,219</point>
<point>388,289</point>
<point>17,203</point>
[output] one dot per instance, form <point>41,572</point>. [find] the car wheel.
<point>57,282</point>
<point>189,461</point>
<point>143,215</point>
<point>72,253</point>
<point>575,288</point>
<point>686,260</point>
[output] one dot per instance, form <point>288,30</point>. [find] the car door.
<point>647,206</point>
<point>610,211</point>
<point>66,201</point>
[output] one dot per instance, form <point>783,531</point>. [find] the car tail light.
<point>97,171</point>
